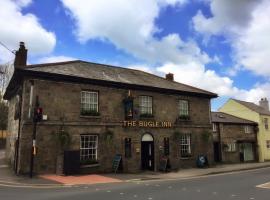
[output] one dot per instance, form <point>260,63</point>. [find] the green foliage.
<point>177,135</point>
<point>63,139</point>
<point>88,162</point>
<point>108,135</point>
<point>146,115</point>
<point>206,136</point>
<point>89,113</point>
<point>184,117</point>
<point>3,114</point>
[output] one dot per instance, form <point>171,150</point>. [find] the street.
<point>238,185</point>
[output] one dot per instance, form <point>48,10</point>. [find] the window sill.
<point>90,116</point>
<point>186,158</point>
<point>90,165</point>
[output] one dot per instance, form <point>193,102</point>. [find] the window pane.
<point>183,108</point>
<point>145,103</point>
<point>89,101</point>
<point>88,147</point>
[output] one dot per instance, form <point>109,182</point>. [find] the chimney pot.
<point>264,103</point>
<point>169,77</point>
<point>20,56</point>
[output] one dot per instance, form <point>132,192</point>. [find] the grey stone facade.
<point>58,88</point>
<point>61,100</point>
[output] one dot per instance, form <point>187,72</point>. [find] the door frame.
<point>144,154</point>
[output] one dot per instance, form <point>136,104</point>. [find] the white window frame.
<point>247,129</point>
<point>90,146</point>
<point>268,144</point>
<point>146,105</point>
<point>214,127</point>
<point>183,107</point>
<point>89,101</point>
<point>231,147</point>
<point>185,145</point>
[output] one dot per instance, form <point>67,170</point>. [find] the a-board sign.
<point>116,162</point>
<point>163,164</point>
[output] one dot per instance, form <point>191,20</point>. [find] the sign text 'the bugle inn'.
<point>150,124</point>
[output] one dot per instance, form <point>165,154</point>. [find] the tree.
<point>3,114</point>
<point>6,71</point>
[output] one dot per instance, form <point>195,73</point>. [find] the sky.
<point>218,45</point>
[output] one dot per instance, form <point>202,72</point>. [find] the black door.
<point>217,152</point>
<point>147,155</point>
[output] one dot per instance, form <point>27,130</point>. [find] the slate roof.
<point>254,107</point>
<point>95,71</point>
<point>226,118</point>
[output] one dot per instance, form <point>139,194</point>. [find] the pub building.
<point>81,114</point>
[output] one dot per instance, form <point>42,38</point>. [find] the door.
<point>217,152</point>
<point>147,155</point>
<point>248,152</point>
<point>147,152</point>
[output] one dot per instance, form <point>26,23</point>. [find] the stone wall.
<point>61,103</point>
<point>235,133</point>
<point>12,131</point>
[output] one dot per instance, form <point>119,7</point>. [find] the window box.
<point>146,116</point>
<point>89,113</point>
<point>184,118</point>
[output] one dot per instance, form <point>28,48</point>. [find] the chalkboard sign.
<point>117,161</point>
<point>163,164</point>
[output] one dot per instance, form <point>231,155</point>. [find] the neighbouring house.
<point>104,111</point>
<point>234,139</point>
<point>257,113</point>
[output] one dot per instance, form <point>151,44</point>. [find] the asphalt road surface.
<point>238,186</point>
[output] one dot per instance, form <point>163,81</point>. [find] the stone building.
<point>235,139</point>
<point>104,111</point>
<point>258,113</point>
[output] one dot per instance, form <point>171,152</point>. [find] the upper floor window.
<point>185,145</point>
<point>214,127</point>
<point>265,121</point>
<point>183,108</point>
<point>88,149</point>
<point>247,128</point>
<point>146,105</point>
<point>89,103</point>
<point>268,144</point>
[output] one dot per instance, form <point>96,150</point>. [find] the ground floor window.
<point>185,145</point>
<point>128,147</point>
<point>88,149</point>
<point>231,147</point>
<point>166,146</point>
<point>268,144</point>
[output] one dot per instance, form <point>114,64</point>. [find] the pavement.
<point>8,177</point>
<point>241,185</point>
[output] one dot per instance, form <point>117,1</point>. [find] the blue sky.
<point>206,43</point>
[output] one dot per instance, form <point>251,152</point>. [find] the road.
<point>238,186</point>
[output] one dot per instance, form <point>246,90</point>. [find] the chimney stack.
<point>169,77</point>
<point>264,103</point>
<point>21,56</point>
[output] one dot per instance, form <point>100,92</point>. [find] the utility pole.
<point>37,117</point>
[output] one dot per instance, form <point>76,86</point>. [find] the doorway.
<point>147,152</point>
<point>217,152</point>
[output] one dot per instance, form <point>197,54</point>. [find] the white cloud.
<point>198,76</point>
<point>16,26</point>
<point>228,15</point>
<point>246,25</point>
<point>130,26</point>
<point>52,59</point>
